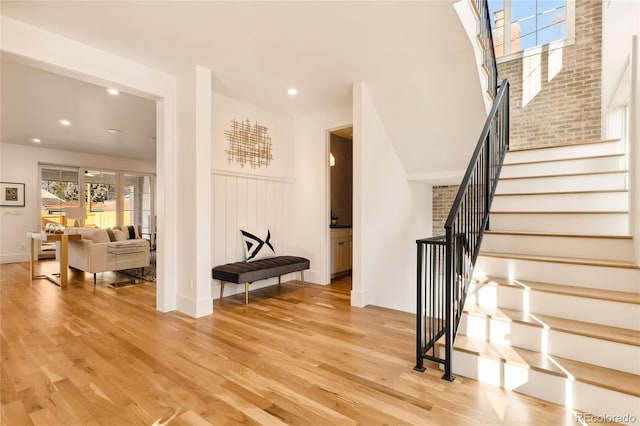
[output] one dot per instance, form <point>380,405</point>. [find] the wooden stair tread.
<point>560,235</point>
<point>561,212</point>
<point>565,260</point>
<point>594,191</point>
<point>581,328</point>
<point>568,290</point>
<point>561,175</point>
<point>559,160</point>
<point>537,148</point>
<point>607,378</point>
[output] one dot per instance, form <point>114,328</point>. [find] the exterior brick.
<point>443,197</point>
<point>565,108</point>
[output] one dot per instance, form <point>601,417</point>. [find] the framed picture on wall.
<point>11,194</point>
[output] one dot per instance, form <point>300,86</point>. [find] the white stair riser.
<point>558,390</point>
<point>605,353</point>
<point>584,224</point>
<point>615,314</point>
<point>572,151</point>
<point>583,165</point>
<point>609,181</point>
<point>616,279</point>
<point>599,201</point>
<point>588,248</point>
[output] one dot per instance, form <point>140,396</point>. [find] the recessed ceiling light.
<point>65,122</point>
<point>113,92</point>
<point>114,131</point>
<point>36,140</point>
<point>292,92</point>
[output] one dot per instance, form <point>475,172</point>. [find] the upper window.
<point>530,23</point>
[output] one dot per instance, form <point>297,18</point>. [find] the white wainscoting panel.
<point>244,201</point>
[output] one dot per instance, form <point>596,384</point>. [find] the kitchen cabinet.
<point>341,250</point>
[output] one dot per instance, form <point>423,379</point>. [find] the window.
<point>100,198</point>
<point>531,23</point>
<point>74,196</point>
<point>138,201</point>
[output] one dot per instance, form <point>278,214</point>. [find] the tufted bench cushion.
<point>248,272</point>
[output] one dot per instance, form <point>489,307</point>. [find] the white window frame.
<point>569,34</point>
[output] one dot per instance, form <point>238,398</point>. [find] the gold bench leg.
<point>221,289</point>
<point>246,293</point>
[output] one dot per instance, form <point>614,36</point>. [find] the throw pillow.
<point>120,236</point>
<point>131,232</point>
<point>111,234</point>
<point>257,244</point>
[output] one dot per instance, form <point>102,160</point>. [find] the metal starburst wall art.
<point>248,143</point>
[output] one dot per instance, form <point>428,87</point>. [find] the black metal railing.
<point>445,263</point>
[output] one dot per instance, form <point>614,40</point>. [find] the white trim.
<point>218,172</point>
<point>447,177</point>
<point>325,274</point>
<point>543,48</point>
<point>359,298</point>
<point>196,308</point>
<point>15,258</point>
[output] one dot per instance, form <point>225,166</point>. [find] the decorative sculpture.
<point>249,144</point>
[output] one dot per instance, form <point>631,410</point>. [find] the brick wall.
<point>562,99</point>
<point>443,197</point>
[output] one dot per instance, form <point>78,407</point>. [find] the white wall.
<point>390,214</point>
<point>310,218</point>
<point>620,20</point>
<point>74,59</point>
<point>246,198</point>
<point>621,92</point>
<point>20,164</point>
<point>280,127</point>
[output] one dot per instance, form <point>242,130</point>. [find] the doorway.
<point>341,206</point>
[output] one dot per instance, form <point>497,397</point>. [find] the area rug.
<point>149,272</point>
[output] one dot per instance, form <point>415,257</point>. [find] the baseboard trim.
<point>195,308</point>
<point>15,258</point>
<point>359,299</point>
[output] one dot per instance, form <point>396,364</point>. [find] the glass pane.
<point>525,42</point>
<point>138,193</point>
<point>551,21</point>
<point>554,32</point>
<point>58,198</point>
<point>523,10</point>
<point>100,188</point>
<point>496,13</point>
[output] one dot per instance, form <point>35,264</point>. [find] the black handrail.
<point>485,34</point>
<point>445,263</point>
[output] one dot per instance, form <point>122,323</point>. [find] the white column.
<point>193,201</point>
<point>358,292</point>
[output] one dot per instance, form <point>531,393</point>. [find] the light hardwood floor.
<point>292,356</point>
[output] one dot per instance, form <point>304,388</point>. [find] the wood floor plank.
<point>100,356</point>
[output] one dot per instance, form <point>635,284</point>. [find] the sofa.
<point>103,250</point>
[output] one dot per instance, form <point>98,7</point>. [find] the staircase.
<point>554,311</point>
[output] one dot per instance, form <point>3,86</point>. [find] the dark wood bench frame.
<point>248,272</point>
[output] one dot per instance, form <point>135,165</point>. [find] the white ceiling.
<point>33,102</point>
<point>257,50</point>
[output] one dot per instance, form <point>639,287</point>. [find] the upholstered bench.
<point>248,272</point>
